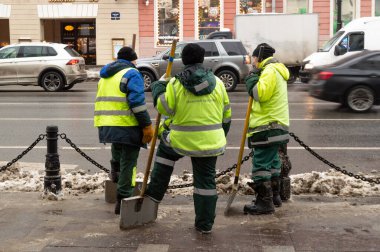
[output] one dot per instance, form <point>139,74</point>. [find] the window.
<point>9,53</point>
<point>250,6</point>
<point>71,51</point>
<point>331,42</point>
<point>210,49</point>
<point>377,7</point>
<point>234,48</point>
<point>348,12</point>
<point>168,13</point>
<point>208,17</point>
<point>297,6</point>
<point>352,42</point>
<point>177,53</point>
<point>369,63</point>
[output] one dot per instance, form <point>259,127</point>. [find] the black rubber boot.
<point>276,184</point>
<point>118,204</point>
<point>115,170</point>
<point>264,200</point>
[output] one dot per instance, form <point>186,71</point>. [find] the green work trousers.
<point>204,195</point>
<point>266,163</point>
<point>127,156</point>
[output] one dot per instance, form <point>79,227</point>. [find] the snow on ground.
<point>29,177</point>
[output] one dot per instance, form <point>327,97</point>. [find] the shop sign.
<point>115,15</point>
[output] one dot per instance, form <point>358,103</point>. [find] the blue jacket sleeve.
<point>134,88</point>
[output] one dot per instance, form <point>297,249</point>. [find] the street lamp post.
<point>339,15</point>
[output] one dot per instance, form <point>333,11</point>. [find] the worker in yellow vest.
<point>122,119</point>
<point>198,108</point>
<point>268,127</point>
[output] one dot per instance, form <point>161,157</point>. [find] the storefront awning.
<point>67,10</point>
<point>5,11</point>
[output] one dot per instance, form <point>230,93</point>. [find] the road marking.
<point>228,148</point>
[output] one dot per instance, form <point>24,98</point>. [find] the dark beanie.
<point>266,51</point>
<point>127,53</point>
<point>192,54</point>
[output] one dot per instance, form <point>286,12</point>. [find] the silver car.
<point>52,66</point>
<point>227,58</point>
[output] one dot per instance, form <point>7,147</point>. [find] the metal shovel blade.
<point>137,211</point>
<point>231,198</point>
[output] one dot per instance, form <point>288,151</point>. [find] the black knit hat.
<point>266,51</point>
<point>192,54</point>
<point>127,53</point>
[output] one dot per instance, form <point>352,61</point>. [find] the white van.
<point>359,34</point>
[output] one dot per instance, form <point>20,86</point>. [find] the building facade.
<point>98,28</point>
<point>164,20</point>
<point>95,28</point>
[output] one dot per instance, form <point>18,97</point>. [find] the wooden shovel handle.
<point>157,126</point>
<point>242,143</point>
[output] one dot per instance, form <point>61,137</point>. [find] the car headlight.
<point>309,66</point>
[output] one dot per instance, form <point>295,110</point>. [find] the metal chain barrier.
<point>370,180</point>
<point>101,167</point>
<point>246,158</point>
<point>40,137</point>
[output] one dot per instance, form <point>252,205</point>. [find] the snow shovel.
<point>235,186</point>
<point>139,210</point>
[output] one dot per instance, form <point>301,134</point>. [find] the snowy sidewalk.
<point>315,220</point>
<point>87,223</point>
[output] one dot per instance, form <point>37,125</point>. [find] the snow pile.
<point>75,182</point>
<point>333,183</point>
<point>93,73</point>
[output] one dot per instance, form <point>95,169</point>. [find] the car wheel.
<point>360,98</point>
<point>229,79</point>
<point>52,81</point>
<point>292,78</point>
<point>148,80</point>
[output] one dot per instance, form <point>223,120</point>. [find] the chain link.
<point>370,180</point>
<point>246,158</point>
<point>40,137</point>
<point>101,167</point>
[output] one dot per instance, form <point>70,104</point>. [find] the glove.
<point>250,81</point>
<point>148,133</point>
<point>164,78</point>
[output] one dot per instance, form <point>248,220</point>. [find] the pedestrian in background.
<point>122,119</point>
<point>198,109</point>
<point>268,127</point>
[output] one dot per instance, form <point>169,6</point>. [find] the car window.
<point>10,52</point>
<point>31,51</point>
<point>234,48</point>
<point>177,53</point>
<point>210,49</point>
<point>51,51</point>
<point>356,42</point>
<point>71,51</point>
<point>369,63</point>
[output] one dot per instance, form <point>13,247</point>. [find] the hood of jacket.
<point>113,68</point>
<point>281,68</point>
<point>197,79</point>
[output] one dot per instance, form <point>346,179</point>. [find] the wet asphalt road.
<point>347,139</point>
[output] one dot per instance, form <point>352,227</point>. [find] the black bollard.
<point>52,179</point>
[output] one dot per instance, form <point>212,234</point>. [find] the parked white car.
<point>52,66</point>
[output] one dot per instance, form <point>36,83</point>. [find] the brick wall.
<point>365,8</point>
<point>322,7</point>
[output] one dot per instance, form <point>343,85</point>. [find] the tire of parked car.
<point>52,81</point>
<point>148,79</point>
<point>360,98</point>
<point>229,79</point>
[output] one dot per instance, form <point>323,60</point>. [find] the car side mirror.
<point>165,57</point>
<point>339,50</point>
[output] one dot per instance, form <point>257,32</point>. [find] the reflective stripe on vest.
<point>196,128</point>
<point>205,192</point>
<point>134,176</point>
<point>165,161</point>
<point>272,125</point>
<point>272,139</point>
<point>200,153</point>
<point>111,106</point>
<point>261,174</point>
